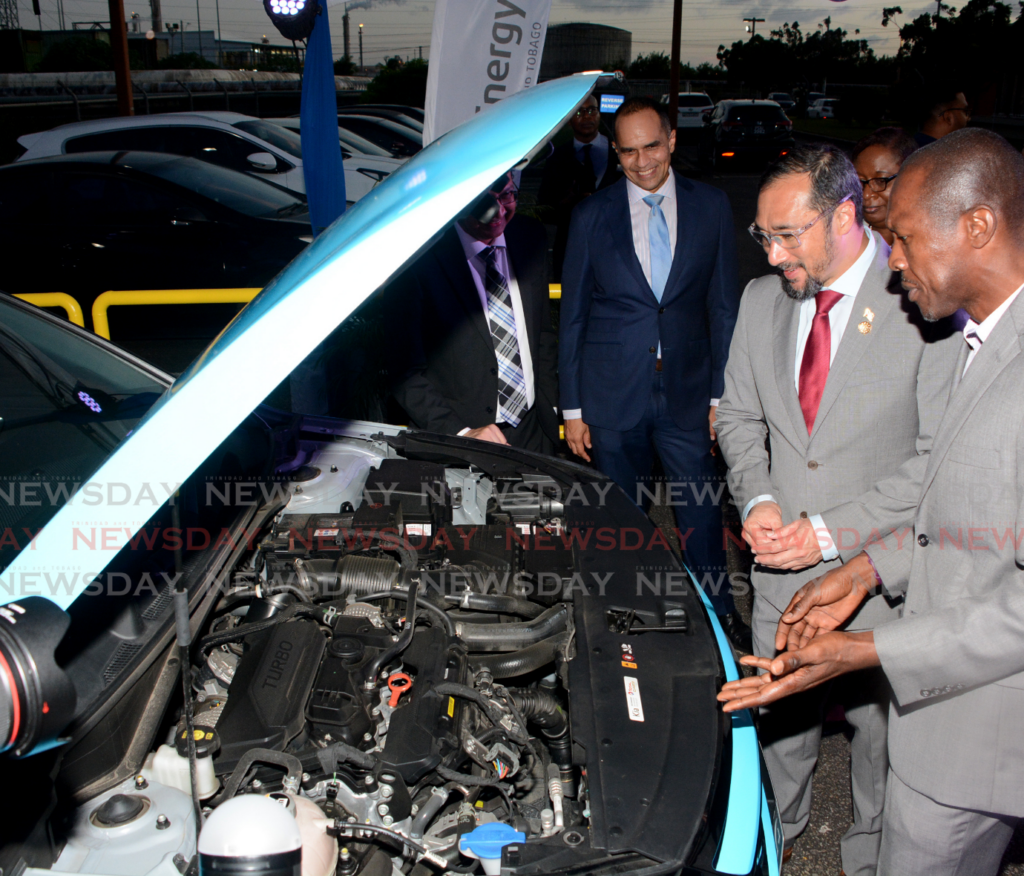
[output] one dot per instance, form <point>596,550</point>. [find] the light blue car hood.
<point>273,334</point>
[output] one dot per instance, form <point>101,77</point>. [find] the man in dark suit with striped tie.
<point>475,352</point>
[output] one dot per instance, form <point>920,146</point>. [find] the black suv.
<point>745,128</point>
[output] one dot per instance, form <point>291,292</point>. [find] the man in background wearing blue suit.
<point>649,301</point>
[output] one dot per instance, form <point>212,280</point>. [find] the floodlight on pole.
<point>293,18</point>
<point>360,45</point>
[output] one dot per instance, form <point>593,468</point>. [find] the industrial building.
<point>576,46</point>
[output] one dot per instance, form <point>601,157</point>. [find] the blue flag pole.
<point>322,166</point>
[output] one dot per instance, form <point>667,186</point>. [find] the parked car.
<point>823,108</point>
<point>692,106</point>
<point>395,114</point>
<point>97,221</point>
<point>232,140</point>
<point>808,100</point>
<point>412,112</point>
<point>399,140</point>
<point>241,646</point>
<point>737,129</point>
<point>783,99</point>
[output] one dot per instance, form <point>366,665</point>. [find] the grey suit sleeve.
<point>890,505</point>
<point>740,424</point>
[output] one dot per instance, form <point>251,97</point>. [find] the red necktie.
<point>817,355</point>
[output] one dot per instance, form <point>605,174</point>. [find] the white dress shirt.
<point>977,333</point>
<point>847,285</point>
<point>598,155</point>
<point>477,269</point>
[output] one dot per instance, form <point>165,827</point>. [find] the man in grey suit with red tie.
<point>828,371</point>
<point>955,660</point>
<point>649,299</point>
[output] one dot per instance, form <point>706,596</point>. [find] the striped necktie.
<point>501,320</point>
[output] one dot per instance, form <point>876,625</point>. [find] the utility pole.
<point>156,15</point>
<point>360,46</point>
<point>753,25</point>
<point>199,29</point>
<point>220,49</point>
<point>119,47</point>
<point>421,52</point>
<point>673,76</point>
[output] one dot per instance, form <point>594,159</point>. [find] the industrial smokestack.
<point>344,22</point>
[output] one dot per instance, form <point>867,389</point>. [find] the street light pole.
<point>753,25</point>
<point>360,46</point>
<point>673,76</point>
<point>199,29</point>
<point>220,49</point>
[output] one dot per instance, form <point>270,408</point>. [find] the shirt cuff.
<point>462,431</point>
<point>765,498</point>
<point>828,547</point>
<point>714,402</point>
<point>576,414</point>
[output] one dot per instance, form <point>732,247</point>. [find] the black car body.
<point>89,223</point>
<point>745,129</point>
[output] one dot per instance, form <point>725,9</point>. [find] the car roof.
<point>113,158</point>
<point>93,126</point>
<point>332,277</point>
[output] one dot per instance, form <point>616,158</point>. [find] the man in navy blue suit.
<point>649,301</point>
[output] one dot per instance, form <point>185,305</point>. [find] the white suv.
<point>230,140</point>
<point>692,106</point>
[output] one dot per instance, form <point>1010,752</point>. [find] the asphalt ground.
<point>816,852</point>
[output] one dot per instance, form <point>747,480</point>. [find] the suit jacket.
<point>611,322</point>
<point>563,187</point>
<point>956,659</point>
<point>867,427</point>
<point>443,358</point>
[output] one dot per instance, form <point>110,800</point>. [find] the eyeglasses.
<point>789,239</point>
<point>507,198</point>
<point>878,183</point>
<point>586,111</point>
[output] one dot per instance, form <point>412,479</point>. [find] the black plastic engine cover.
<point>422,730</point>
<point>419,488</point>
<point>274,677</point>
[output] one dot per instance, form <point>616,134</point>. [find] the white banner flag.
<point>480,52</point>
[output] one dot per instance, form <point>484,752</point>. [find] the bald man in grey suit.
<point>834,426</point>
<point>955,660</point>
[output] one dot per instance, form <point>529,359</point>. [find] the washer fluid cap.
<point>249,826</point>
<point>487,841</point>
<point>120,809</point>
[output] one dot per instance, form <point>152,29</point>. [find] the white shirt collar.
<point>849,282</point>
<point>977,333</point>
<point>668,189</point>
<point>473,247</point>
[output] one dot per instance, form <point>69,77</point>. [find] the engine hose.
<point>342,752</point>
<point>374,667</point>
<point>543,710</point>
<point>260,755</point>
<point>428,809</point>
<point>529,659</point>
<point>512,637</point>
<point>470,781</point>
<point>208,643</point>
<point>494,602</point>
<point>421,602</point>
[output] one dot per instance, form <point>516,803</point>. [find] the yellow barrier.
<point>57,299</point>
<point>555,290</point>
<point>101,326</point>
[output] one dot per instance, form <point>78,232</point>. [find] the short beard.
<point>814,284</point>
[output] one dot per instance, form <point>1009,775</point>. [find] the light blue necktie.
<point>661,247</point>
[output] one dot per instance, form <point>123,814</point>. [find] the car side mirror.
<point>188,215</point>
<point>262,161</point>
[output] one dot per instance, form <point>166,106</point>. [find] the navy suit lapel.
<point>686,222</point>
<point>622,232</point>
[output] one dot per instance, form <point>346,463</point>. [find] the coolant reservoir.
<point>319,851</point>
<point>169,768</point>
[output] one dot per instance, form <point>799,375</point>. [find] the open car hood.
<point>272,335</point>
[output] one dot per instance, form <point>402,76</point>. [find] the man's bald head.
<point>965,170</point>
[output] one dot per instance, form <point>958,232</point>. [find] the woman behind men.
<point>878,158</point>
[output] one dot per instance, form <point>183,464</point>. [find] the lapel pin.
<point>865,327</point>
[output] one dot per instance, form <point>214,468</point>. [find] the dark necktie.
<point>817,356</point>
<point>501,320</point>
<point>589,177</point>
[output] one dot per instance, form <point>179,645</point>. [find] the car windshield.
<point>67,403</point>
<point>693,100</point>
<point>360,144</point>
<point>780,95</point>
<point>240,192</point>
<point>756,114</point>
<point>275,135</point>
